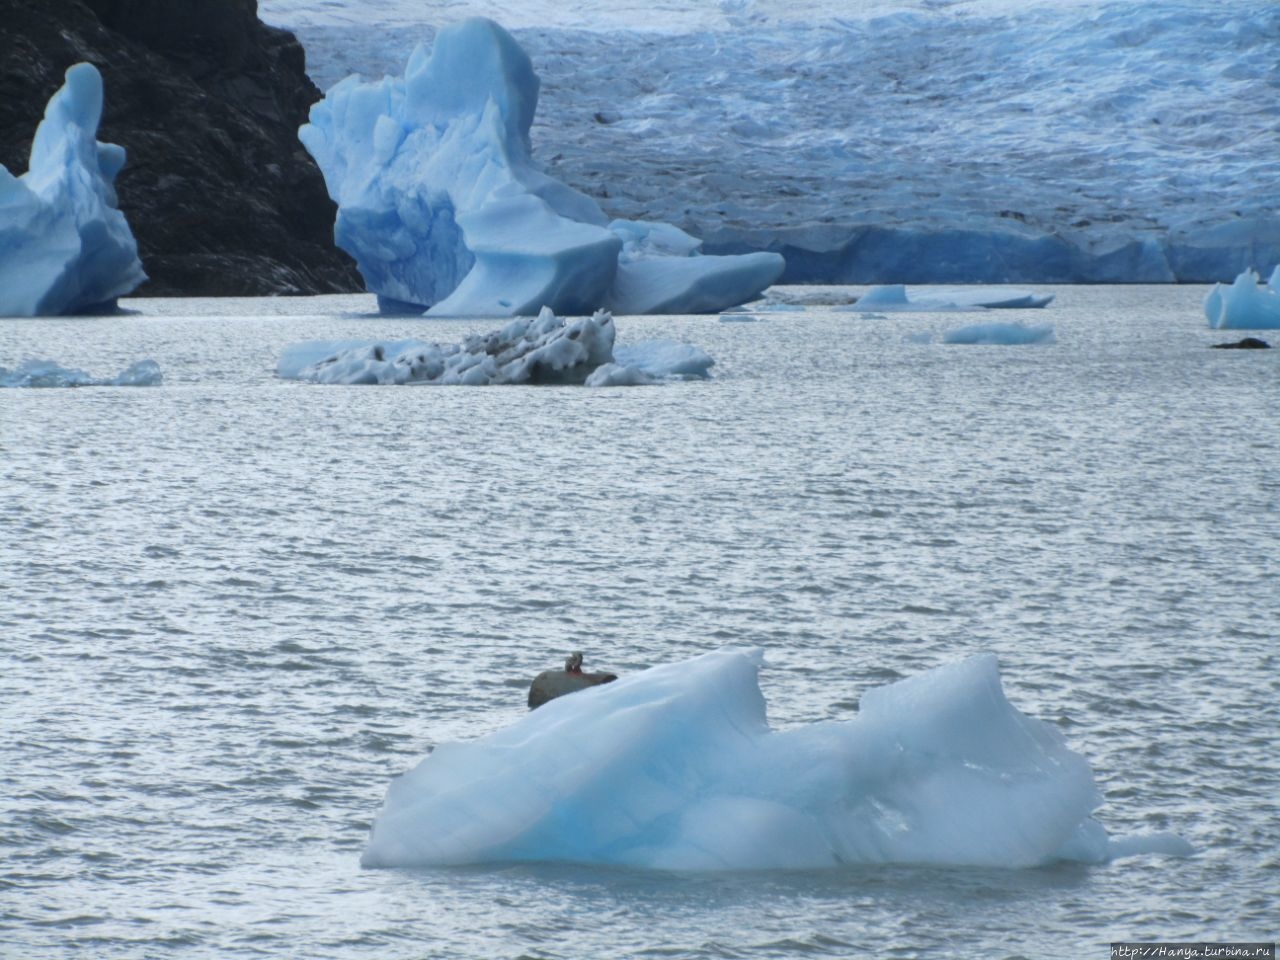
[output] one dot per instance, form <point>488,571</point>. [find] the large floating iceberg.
<point>441,205</point>
<point>677,768</point>
<point>542,350</point>
<point>64,247</point>
<point>1245,305</point>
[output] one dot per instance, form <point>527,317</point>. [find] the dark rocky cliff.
<point>207,101</point>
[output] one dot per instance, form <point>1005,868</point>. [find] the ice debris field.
<point>542,350</point>
<point>677,768</point>
<point>441,204</point>
<point>64,245</point>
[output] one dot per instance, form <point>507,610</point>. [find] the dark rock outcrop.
<point>207,100</point>
<point>1248,343</point>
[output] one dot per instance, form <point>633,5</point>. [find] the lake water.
<point>235,607</point>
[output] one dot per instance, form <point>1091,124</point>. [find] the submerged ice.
<point>529,350</point>
<point>442,206</point>
<point>50,373</point>
<point>677,768</point>
<point>64,246</point>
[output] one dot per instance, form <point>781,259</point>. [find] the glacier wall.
<point>898,142</point>
<point>64,246</point>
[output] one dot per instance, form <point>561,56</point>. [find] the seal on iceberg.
<point>556,683</point>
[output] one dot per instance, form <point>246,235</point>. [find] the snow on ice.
<point>64,246</point>
<point>541,350</point>
<point>442,206</point>
<point>676,768</point>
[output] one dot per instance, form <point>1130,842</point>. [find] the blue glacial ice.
<point>529,350</point>
<point>1245,305</point>
<point>64,246</point>
<point>49,373</point>
<point>442,206</point>
<point>677,768</point>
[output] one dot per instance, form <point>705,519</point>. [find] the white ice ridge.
<point>676,768</point>
<point>48,373</point>
<point>64,247</point>
<point>542,350</point>
<point>1244,305</point>
<point>442,206</point>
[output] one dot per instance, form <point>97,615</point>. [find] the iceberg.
<point>677,768</point>
<point>1002,334</point>
<point>64,246</point>
<point>49,373</point>
<point>442,207</point>
<point>529,350</point>
<point>1245,305</point>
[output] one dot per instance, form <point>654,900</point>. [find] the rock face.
<point>206,100</point>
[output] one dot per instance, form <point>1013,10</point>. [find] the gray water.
<point>233,608</point>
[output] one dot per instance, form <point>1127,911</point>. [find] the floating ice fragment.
<point>47,373</point>
<point>676,768</point>
<point>64,246</point>
<point>535,350</point>
<point>1245,305</point>
<point>894,297</point>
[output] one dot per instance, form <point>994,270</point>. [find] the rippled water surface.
<point>234,607</point>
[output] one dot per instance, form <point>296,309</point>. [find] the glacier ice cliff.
<point>64,245</point>
<point>1244,304</point>
<point>897,141</point>
<point>677,768</point>
<point>442,206</point>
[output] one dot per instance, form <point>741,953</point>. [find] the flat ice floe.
<point>894,297</point>
<point>677,768</point>
<point>49,373</point>
<point>529,350</point>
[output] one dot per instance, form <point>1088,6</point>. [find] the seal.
<point>556,683</point>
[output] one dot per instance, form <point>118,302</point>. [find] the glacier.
<point>1244,304</point>
<point>65,247</point>
<point>441,204</point>
<point>529,350</point>
<point>677,768</point>
<point>894,141</point>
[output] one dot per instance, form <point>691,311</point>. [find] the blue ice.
<point>64,246</point>
<point>442,206</point>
